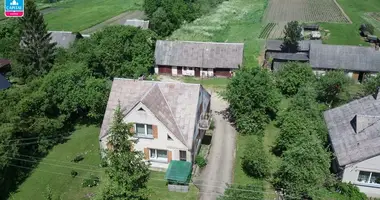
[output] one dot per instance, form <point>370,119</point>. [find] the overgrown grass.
<point>348,34</point>
<point>231,21</point>
<point>81,14</point>
<point>54,170</point>
<point>270,134</point>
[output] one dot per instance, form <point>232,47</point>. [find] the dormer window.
<point>169,138</point>
<point>141,109</point>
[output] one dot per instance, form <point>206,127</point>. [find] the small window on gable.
<point>169,138</point>
<point>141,109</point>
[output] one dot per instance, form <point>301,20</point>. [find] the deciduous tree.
<point>253,99</point>
<point>331,86</point>
<point>37,53</point>
<point>127,172</point>
<point>292,36</point>
<point>294,75</point>
<point>372,84</point>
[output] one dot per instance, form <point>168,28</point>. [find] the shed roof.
<point>354,129</point>
<point>353,58</point>
<point>137,23</point>
<point>62,38</point>
<point>4,83</point>
<point>4,62</point>
<point>289,56</point>
<point>276,45</point>
<point>199,54</point>
<point>179,171</point>
<point>174,104</point>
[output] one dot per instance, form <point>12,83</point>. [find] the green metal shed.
<point>179,172</point>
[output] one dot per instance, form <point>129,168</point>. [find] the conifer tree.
<point>36,54</point>
<point>127,172</point>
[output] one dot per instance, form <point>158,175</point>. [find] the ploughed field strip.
<point>305,11</point>
<point>273,31</point>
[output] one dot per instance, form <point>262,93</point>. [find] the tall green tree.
<point>304,168</point>
<point>37,53</point>
<point>332,86</point>
<point>253,99</point>
<point>292,36</point>
<point>372,84</point>
<point>294,75</point>
<point>127,172</point>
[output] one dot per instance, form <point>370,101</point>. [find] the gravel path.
<point>219,169</point>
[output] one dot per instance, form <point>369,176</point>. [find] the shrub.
<point>255,161</point>
<point>200,161</point>
<point>91,181</point>
<point>74,173</point>
<point>78,158</point>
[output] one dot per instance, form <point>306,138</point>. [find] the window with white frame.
<point>158,154</point>
<point>144,130</point>
<point>369,177</point>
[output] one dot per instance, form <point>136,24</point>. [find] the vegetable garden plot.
<point>273,31</point>
<point>304,10</point>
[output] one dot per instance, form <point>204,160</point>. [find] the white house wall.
<point>156,69</point>
<point>174,71</point>
<point>162,143</point>
<point>188,71</point>
<point>207,72</point>
<point>351,173</point>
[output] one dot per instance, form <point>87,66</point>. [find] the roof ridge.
<point>199,42</point>
<point>172,115</point>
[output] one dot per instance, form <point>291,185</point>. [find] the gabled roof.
<point>174,104</point>
<point>199,54</point>
<point>137,23</point>
<point>304,45</point>
<point>4,83</point>
<point>353,58</point>
<point>354,130</point>
<point>62,38</point>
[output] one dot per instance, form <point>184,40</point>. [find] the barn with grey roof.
<point>167,118</point>
<point>65,38</point>
<point>189,58</point>
<point>354,133</point>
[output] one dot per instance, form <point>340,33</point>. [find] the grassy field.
<point>81,14</point>
<point>349,33</point>
<point>231,21</point>
<point>214,83</point>
<point>54,172</point>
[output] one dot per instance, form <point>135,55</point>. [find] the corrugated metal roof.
<point>62,38</point>
<point>353,58</point>
<point>199,54</point>
<point>137,23</point>
<point>276,45</point>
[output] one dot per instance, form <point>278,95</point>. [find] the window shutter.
<point>155,131</point>
<point>146,153</point>
<point>169,156</point>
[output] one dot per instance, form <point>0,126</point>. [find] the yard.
<point>78,15</point>
<point>348,34</point>
<point>231,21</point>
<point>54,171</point>
<point>271,133</point>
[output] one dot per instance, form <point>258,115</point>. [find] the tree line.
<point>53,89</point>
<point>254,95</point>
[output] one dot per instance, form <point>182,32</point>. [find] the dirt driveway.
<point>219,170</point>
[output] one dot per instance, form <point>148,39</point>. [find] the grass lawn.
<point>214,83</point>
<point>160,190</point>
<point>231,21</point>
<point>81,14</point>
<point>349,33</point>
<point>54,170</point>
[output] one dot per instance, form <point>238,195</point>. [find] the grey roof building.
<point>276,45</point>
<point>174,104</point>
<point>354,58</point>
<point>354,130</point>
<point>63,38</point>
<point>199,54</point>
<point>137,23</point>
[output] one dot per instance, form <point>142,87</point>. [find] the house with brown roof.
<point>188,58</point>
<point>354,134</point>
<point>169,118</point>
